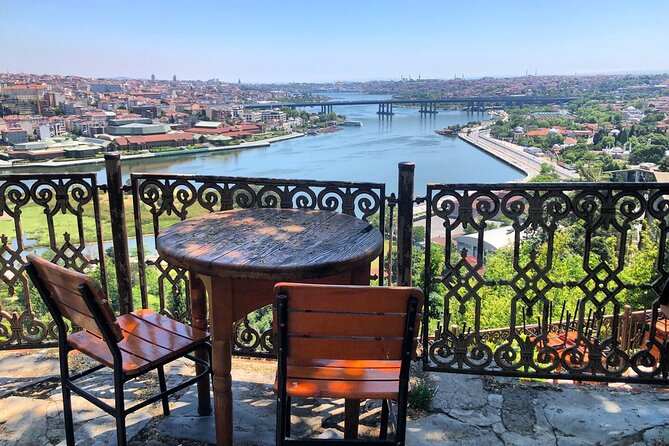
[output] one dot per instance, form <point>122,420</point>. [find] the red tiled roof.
<point>160,138</point>
<point>538,132</point>
<point>234,134</point>
<point>206,131</point>
<point>248,126</point>
<point>25,87</point>
<point>545,132</point>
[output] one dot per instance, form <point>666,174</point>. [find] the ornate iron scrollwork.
<point>605,223</point>
<point>183,196</point>
<point>24,321</point>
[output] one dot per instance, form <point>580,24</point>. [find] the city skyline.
<point>304,42</point>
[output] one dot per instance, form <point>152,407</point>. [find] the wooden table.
<point>235,257</point>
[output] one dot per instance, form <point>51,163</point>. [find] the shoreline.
<point>149,155</point>
<point>514,156</point>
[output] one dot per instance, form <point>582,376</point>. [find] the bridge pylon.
<point>428,108</point>
<point>385,109</point>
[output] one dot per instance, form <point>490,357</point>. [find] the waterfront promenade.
<point>514,155</point>
<point>178,152</point>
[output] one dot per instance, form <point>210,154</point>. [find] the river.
<point>367,153</point>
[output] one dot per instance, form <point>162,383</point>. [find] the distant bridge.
<point>428,106</point>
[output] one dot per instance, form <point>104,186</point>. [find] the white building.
<point>632,114</point>
<point>44,132</point>
<point>616,152</point>
<point>295,122</point>
<point>534,151</point>
<point>267,115</point>
<point>492,241</point>
<point>250,116</point>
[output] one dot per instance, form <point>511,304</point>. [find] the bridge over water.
<point>427,106</point>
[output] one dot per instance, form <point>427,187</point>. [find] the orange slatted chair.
<point>353,342</point>
<point>132,344</point>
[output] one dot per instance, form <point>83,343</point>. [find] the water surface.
<point>367,153</point>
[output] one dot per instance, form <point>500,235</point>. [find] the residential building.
<point>493,240</point>
<point>175,139</point>
<point>632,114</point>
<point>14,136</point>
<point>25,93</point>
<point>250,116</point>
<point>267,115</point>
<point>136,128</point>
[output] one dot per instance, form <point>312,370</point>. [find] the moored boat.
<point>445,132</point>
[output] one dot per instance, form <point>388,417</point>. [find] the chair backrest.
<point>342,322</point>
<point>74,296</point>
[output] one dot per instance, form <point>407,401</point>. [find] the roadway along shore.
<point>145,155</point>
<point>513,155</point>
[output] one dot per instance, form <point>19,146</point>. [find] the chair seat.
<point>149,339</point>
<point>354,379</point>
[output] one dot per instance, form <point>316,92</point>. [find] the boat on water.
<point>312,132</point>
<point>445,132</point>
<point>351,124</point>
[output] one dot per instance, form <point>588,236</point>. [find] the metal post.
<point>405,200</point>
<point>119,231</point>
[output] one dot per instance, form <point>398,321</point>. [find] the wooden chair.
<point>131,344</point>
<point>352,342</point>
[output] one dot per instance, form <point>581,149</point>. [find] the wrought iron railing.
<point>562,258</point>
<point>160,200</point>
<point>58,218</point>
<point>558,272</point>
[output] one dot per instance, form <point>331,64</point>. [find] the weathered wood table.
<point>235,257</point>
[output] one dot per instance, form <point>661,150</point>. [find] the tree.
<point>547,175</point>
<point>622,136</point>
<point>647,154</point>
<point>607,141</point>
<point>664,164</point>
<point>554,138</point>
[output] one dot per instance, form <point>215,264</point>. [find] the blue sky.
<point>308,41</point>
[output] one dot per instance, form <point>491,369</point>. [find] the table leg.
<point>222,307</point>
<point>198,305</point>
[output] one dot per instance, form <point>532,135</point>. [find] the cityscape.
<point>596,125</point>
<point>443,223</point>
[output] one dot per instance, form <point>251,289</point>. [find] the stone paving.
<point>466,410</point>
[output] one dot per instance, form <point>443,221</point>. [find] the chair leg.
<point>400,434</point>
<point>119,409</point>
<point>280,419</point>
<point>67,398</point>
<point>163,389</point>
<point>384,420</point>
<point>351,418</point>
<point>205,385</point>
<point>287,417</point>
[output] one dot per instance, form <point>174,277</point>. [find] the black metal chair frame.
<point>119,412</point>
<point>284,401</point>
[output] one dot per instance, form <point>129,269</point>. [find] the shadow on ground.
<point>467,410</point>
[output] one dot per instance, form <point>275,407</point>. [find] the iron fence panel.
<point>160,200</point>
<point>555,264</point>
<point>56,216</point>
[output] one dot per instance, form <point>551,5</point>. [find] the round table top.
<point>270,244</point>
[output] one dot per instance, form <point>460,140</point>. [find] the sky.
<point>268,41</point>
